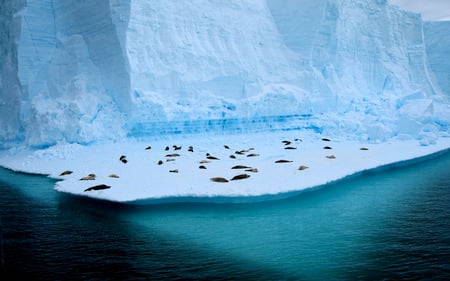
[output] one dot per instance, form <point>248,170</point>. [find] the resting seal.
<point>209,156</point>
<point>240,167</point>
<point>283,161</point>
<point>88,177</point>
<point>98,187</point>
<point>253,170</point>
<point>240,177</point>
<point>219,179</point>
<point>173,155</point>
<point>66,173</point>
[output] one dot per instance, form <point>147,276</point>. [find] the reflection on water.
<point>394,224</point>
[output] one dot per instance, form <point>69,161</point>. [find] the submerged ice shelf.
<point>156,174</point>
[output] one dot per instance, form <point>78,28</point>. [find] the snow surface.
<point>142,180</point>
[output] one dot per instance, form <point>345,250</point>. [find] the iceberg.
<point>98,73</point>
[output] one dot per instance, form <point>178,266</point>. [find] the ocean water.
<point>390,224</point>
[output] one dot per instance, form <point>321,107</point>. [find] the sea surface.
<point>392,224</point>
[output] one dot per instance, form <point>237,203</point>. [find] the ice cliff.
<point>87,71</point>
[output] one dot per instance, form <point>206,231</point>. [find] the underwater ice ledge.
<point>144,180</point>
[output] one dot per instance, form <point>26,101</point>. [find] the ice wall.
<point>437,42</point>
<point>85,71</point>
<point>10,95</point>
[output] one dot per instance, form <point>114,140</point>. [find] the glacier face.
<point>86,71</point>
<point>437,42</point>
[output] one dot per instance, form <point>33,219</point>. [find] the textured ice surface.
<point>92,71</point>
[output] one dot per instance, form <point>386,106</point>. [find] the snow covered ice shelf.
<point>152,175</point>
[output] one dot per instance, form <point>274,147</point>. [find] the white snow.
<point>142,180</point>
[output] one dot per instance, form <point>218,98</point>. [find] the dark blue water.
<point>393,224</point>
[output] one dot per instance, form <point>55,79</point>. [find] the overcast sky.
<point>430,9</point>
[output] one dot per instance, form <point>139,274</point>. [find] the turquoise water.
<point>393,224</point>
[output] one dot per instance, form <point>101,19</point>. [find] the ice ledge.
<point>142,180</point>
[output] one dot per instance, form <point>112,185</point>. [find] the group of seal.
<point>287,144</point>
<point>237,177</point>
<point>241,152</point>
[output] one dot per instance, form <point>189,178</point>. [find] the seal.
<point>253,170</point>
<point>290,147</point>
<point>209,156</point>
<point>65,173</point>
<point>173,171</point>
<point>327,147</point>
<point>123,159</point>
<point>173,155</point>
<point>191,149</point>
<point>252,155</point>
<point>286,142</point>
<point>114,176</point>
<point>363,148</point>
<point>219,179</point>
<point>240,167</point>
<point>98,187</point>
<point>148,147</point>
<point>176,147</point>
<point>283,161</point>
<point>331,156</point>
<point>326,139</point>
<point>232,156</point>
<point>226,146</point>
<point>160,162</point>
<point>202,167</point>
<point>240,177</point>
<point>303,167</point>
<point>88,177</point>
<point>212,157</point>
